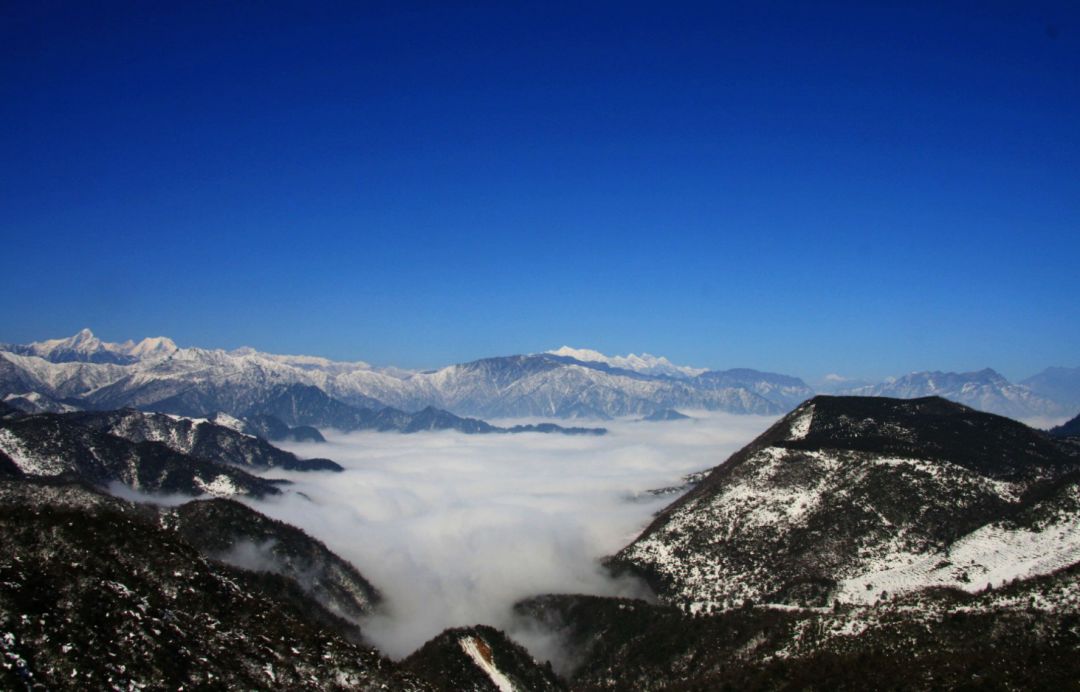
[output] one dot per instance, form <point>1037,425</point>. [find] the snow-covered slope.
<point>848,497</point>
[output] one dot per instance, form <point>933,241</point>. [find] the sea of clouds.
<point>454,529</point>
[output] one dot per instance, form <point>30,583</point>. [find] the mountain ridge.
<point>83,372</point>
<point>843,490</point>
<point>193,381</point>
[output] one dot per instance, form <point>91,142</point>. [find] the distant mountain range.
<point>83,372</point>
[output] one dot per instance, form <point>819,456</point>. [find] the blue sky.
<point>798,187</point>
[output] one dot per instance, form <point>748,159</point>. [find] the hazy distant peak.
<point>937,378</point>
<point>1058,383</point>
<point>986,390</point>
<point>644,363</point>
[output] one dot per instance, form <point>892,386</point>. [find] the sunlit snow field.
<point>453,528</point>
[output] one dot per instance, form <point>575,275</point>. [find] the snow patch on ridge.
<point>226,421</point>
<point>28,463</point>
<point>478,650</point>
<point>800,426</point>
<point>645,363</point>
<point>221,486</point>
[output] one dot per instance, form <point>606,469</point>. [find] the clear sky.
<point>797,187</point>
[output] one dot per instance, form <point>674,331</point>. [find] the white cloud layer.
<point>454,529</point>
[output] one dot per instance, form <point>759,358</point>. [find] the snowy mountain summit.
<point>860,499</point>
<point>84,347</point>
<point>645,363</point>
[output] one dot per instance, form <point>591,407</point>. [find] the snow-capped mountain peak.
<point>82,341</point>
<point>152,347</point>
<point>645,363</point>
<point>84,347</point>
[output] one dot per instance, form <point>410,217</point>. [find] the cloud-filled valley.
<point>454,529</point>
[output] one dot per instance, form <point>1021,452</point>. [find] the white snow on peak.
<point>223,419</point>
<point>582,354</point>
<point>302,362</point>
<point>220,486</point>
<point>151,347</point>
<point>478,650</point>
<point>83,341</point>
<point>800,426</point>
<point>645,363</point>
<point>84,335</point>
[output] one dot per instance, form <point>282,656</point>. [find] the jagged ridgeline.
<point>86,373</point>
<point>83,372</point>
